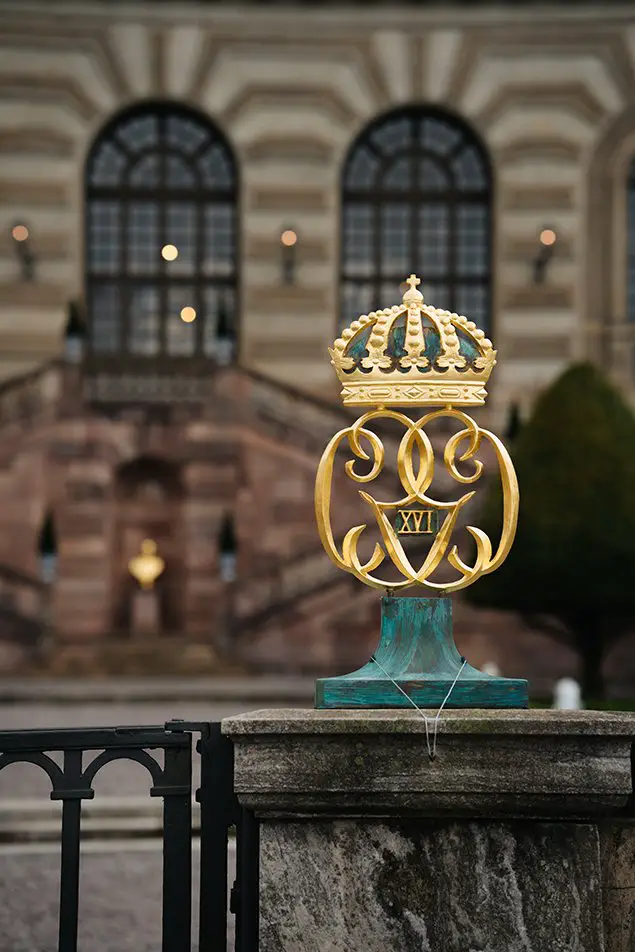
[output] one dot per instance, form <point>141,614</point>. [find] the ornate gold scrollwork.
<point>415,483</point>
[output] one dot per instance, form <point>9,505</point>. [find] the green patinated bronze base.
<point>416,648</point>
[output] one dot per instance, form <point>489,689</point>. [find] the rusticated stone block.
<point>617,844</point>
<point>347,886</point>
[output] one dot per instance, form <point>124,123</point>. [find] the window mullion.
<point>162,204</point>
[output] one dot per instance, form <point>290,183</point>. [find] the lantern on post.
<point>548,239</point>
<point>288,243</point>
<point>391,361</point>
<point>21,237</point>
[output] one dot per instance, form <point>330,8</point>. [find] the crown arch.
<point>159,174</point>
<point>417,196</point>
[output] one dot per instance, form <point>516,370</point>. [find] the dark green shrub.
<point>571,570</point>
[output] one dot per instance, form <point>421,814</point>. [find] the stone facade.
<point>551,98</point>
<point>246,456</point>
<point>551,95</point>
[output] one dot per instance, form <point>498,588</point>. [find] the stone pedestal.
<point>516,838</point>
<point>146,620</point>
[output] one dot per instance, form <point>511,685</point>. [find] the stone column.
<point>515,838</point>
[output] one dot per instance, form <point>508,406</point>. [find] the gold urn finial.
<point>147,566</point>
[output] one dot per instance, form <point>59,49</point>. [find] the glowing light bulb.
<point>288,238</point>
<point>547,236</point>
<point>20,232</point>
<point>188,314</point>
<point>169,252</point>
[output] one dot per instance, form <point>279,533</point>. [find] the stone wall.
<point>550,93</point>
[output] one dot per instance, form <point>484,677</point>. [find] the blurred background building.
<point>194,197</point>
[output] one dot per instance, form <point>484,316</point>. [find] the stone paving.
<point>120,899</point>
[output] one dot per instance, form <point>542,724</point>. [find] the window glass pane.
<point>185,134</point>
<point>362,168</point>
<point>219,240</point>
<point>104,314</point>
<point>178,172</point>
<point>215,169</point>
<point>433,237</point>
<point>357,241</point>
<point>107,165</point>
<point>357,298</point>
<point>139,132</point>
<point>144,244</point>
<point>395,247</point>
<point>399,175</point>
<point>393,135</point>
<point>219,318</point>
<point>472,240</point>
<point>181,232</point>
<point>145,173</point>
<point>144,321</point>
<point>472,300</point>
<point>436,135</point>
<point>180,334</point>
<point>389,294</point>
<point>431,178</point>
<point>469,170</point>
<point>438,295</point>
<point>104,237</point>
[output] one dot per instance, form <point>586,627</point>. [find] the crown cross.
<point>413,281</point>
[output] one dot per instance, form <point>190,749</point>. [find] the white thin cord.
<point>432,749</point>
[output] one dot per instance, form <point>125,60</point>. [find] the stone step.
<point>266,689</point>
<point>39,820</point>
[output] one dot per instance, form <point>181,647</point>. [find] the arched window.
<point>158,176</point>
<point>630,243</point>
<point>417,198</point>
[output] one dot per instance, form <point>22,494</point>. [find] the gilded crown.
<point>413,354</point>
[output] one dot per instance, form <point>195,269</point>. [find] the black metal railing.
<point>71,782</point>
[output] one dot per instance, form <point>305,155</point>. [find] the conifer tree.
<point>571,570</point>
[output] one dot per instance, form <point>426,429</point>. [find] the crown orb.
<point>413,297</point>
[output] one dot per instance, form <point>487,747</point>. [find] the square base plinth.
<point>486,692</point>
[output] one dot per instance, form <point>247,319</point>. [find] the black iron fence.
<point>86,751</point>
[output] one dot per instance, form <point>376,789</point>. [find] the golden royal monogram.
<point>415,355</point>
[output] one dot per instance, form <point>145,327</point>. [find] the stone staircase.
<point>302,593</point>
<point>23,608</point>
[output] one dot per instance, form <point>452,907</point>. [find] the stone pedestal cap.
<point>294,763</point>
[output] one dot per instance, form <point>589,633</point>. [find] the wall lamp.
<point>548,239</point>
<point>21,238</point>
<point>288,243</point>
